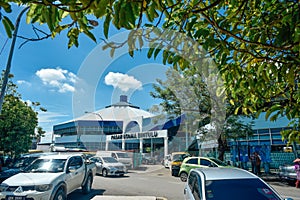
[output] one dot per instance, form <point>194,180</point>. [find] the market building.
<point>120,126</point>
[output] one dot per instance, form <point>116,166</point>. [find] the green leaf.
<point>150,52</point>
<point>101,8</point>
<point>90,35</point>
<point>8,26</point>
<point>271,110</point>
<point>106,25</point>
<point>131,53</point>
<point>116,20</point>
<point>130,16</point>
<point>5,6</point>
<point>157,50</point>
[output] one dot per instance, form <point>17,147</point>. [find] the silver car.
<point>287,173</point>
<point>109,166</point>
<point>227,183</point>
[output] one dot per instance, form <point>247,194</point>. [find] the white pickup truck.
<point>50,177</point>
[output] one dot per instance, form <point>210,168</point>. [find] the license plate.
<point>15,198</point>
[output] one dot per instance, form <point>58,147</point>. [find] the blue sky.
<point>48,72</point>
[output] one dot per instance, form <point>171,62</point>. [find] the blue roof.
<point>262,123</point>
<point>87,123</point>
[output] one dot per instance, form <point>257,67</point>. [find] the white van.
<point>121,156</point>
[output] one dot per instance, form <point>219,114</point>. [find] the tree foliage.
<point>18,122</point>
<point>182,93</point>
<point>255,44</point>
<point>17,125</point>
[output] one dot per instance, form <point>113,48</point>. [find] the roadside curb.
<point>128,198</point>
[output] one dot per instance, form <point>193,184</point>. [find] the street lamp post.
<point>102,127</point>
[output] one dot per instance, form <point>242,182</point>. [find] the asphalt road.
<point>156,181</point>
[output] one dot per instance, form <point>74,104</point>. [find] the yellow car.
<point>176,160</point>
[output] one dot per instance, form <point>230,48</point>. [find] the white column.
<point>106,145</point>
<point>123,144</point>
<point>166,147</point>
<point>141,145</point>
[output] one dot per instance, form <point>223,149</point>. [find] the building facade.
<point>120,126</point>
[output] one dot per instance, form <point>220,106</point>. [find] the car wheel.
<point>183,176</point>
<point>60,195</point>
<point>104,173</point>
<point>87,187</point>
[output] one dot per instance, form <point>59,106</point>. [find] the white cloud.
<point>29,103</point>
<point>45,117</point>
<point>23,82</point>
<point>122,81</point>
<point>59,79</point>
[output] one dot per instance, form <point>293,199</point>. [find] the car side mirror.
<point>71,169</point>
<point>88,161</point>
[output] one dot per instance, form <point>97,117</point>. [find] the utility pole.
<point>9,60</point>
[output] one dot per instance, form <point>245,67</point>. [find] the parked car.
<point>50,177</point>
<point>197,162</point>
<point>176,160</point>
<point>287,173</point>
<point>109,166</point>
<point>121,156</point>
<point>227,183</point>
<point>147,159</point>
<point>167,161</point>
<point>19,164</point>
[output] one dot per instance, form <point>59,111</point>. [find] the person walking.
<point>297,169</point>
<point>253,163</point>
<point>256,161</point>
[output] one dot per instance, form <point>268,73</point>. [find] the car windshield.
<point>23,162</point>
<point>219,162</point>
<point>122,155</point>
<point>109,160</point>
<point>179,157</point>
<point>236,189</point>
<point>47,165</point>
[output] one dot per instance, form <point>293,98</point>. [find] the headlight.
<point>3,187</point>
<point>44,187</point>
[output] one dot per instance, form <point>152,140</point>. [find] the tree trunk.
<point>222,145</point>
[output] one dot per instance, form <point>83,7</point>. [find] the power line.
<point>2,49</point>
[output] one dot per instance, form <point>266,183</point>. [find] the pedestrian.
<point>297,169</point>
<point>253,163</point>
<point>257,163</point>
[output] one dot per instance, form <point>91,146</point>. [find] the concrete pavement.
<point>140,169</point>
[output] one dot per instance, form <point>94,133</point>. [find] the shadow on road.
<point>78,195</point>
